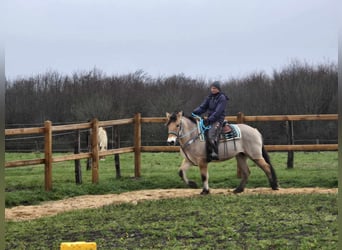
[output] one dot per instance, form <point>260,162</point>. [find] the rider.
<point>215,104</point>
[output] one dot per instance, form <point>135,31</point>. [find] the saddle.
<point>226,128</point>
<point>229,132</point>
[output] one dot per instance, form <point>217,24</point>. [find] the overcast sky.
<point>214,39</point>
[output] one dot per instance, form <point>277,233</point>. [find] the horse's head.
<point>174,126</point>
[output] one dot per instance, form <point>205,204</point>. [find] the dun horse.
<point>193,149</point>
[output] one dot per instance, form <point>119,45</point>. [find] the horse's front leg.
<point>182,173</point>
<point>205,177</point>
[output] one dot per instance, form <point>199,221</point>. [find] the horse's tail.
<point>274,183</point>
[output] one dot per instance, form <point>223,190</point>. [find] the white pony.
<point>102,140</point>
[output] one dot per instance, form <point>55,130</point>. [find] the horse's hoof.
<point>192,184</point>
<point>205,191</point>
<point>238,190</point>
<point>275,186</point>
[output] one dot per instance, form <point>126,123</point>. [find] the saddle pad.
<point>234,134</point>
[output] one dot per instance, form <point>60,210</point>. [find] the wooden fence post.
<point>290,141</point>
<point>95,150</point>
<point>240,118</point>
<point>137,145</point>
<point>48,155</point>
<point>116,140</point>
<point>77,150</point>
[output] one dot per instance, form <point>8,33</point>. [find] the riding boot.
<point>214,150</point>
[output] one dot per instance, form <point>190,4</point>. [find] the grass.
<point>25,185</point>
<point>209,222</point>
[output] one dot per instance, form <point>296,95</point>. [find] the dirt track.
<point>20,213</point>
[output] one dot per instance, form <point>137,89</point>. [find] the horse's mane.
<point>191,118</point>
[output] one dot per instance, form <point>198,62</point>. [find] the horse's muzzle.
<point>171,141</point>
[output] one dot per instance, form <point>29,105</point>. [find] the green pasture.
<point>203,222</point>
<point>25,185</point>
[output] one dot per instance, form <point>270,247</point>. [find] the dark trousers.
<point>213,137</point>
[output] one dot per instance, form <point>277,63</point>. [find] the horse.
<point>102,140</point>
<point>193,149</point>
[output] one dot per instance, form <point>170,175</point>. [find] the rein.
<point>201,126</point>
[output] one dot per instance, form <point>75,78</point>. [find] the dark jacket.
<point>215,105</point>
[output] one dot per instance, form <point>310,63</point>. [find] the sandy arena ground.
<point>50,208</point>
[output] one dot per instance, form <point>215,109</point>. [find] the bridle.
<point>179,134</point>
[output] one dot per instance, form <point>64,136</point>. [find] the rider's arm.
<point>202,108</point>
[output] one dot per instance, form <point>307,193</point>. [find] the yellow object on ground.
<point>79,245</point>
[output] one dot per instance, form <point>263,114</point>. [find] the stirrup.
<point>214,156</point>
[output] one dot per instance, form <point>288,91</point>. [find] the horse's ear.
<point>180,113</point>
<point>168,118</point>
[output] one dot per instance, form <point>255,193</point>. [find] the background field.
<point>216,221</point>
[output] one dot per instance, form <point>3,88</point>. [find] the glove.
<point>206,122</point>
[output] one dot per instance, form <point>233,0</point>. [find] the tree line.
<point>297,88</point>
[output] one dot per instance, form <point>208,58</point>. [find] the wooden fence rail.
<point>137,148</point>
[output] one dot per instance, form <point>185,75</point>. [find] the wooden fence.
<point>137,148</point>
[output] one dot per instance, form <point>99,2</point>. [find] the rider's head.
<point>215,87</point>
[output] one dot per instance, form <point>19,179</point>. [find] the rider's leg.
<point>213,135</point>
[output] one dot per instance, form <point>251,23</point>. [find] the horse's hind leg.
<point>182,173</point>
<point>242,165</point>
<point>269,171</point>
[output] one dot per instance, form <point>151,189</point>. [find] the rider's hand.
<point>206,122</point>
